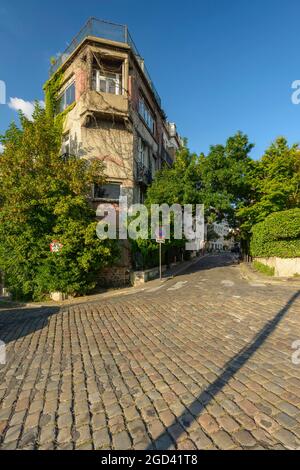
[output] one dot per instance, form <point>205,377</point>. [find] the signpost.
<point>161,240</point>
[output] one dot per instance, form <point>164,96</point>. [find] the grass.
<point>262,268</point>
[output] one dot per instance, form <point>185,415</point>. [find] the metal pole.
<point>160,268</point>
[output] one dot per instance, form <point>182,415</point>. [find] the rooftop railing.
<point>105,30</point>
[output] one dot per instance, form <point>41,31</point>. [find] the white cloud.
<point>27,107</point>
<point>1,148</point>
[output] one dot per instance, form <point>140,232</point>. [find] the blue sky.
<point>219,65</point>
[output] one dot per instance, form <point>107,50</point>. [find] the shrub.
<point>278,235</point>
<point>44,198</point>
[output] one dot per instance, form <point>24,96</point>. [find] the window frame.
<point>111,183</point>
<point>146,114</point>
<point>62,97</point>
<point>99,76</point>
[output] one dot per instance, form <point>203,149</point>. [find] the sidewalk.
<point>250,274</point>
<point>105,294</point>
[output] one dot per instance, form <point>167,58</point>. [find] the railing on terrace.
<point>105,30</point>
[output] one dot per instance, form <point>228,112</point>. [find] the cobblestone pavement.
<point>203,361</point>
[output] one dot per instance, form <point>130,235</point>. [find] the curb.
<point>250,274</point>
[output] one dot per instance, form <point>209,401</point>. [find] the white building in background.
<point>222,229</point>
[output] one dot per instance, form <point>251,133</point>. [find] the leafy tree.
<point>275,184</point>
<point>224,177</point>
<point>179,184</point>
<point>219,180</point>
<point>44,198</point>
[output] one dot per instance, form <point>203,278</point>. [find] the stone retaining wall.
<point>284,267</point>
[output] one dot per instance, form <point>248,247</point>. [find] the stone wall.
<point>114,277</point>
<point>284,267</point>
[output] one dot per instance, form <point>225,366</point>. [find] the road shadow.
<point>229,370</point>
<point>17,323</point>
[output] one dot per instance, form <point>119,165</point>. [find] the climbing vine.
<point>51,88</point>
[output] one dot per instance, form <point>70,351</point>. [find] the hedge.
<point>278,235</point>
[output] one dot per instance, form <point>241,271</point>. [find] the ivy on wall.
<point>51,89</point>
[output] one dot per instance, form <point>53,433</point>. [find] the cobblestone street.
<point>203,361</point>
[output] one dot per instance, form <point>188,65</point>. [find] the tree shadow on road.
<point>229,370</point>
<point>17,323</point>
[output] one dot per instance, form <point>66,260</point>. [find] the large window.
<point>66,98</point>
<point>107,82</point>
<point>111,191</point>
<point>146,114</point>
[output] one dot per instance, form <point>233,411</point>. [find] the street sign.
<point>160,235</point>
<point>56,247</point>
<point>161,240</point>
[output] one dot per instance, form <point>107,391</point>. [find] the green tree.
<point>275,184</point>
<point>219,180</point>
<point>44,198</point>
<point>225,176</point>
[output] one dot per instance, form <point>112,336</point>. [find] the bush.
<point>44,198</point>
<point>278,235</point>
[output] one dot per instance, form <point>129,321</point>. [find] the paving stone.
<point>201,440</point>
<point>286,421</point>
<point>228,424</point>
<point>289,409</point>
<point>101,439</point>
<point>121,441</point>
<point>244,438</point>
<point>288,439</point>
<point>223,440</point>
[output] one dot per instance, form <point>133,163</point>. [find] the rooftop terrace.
<point>103,29</point>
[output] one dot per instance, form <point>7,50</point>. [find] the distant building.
<point>223,231</point>
<point>115,113</point>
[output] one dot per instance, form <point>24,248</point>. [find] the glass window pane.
<point>70,94</point>
<point>108,191</point>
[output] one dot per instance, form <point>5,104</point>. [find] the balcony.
<point>110,31</point>
<point>167,157</point>
<point>143,174</point>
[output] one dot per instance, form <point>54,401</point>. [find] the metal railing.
<point>105,30</point>
<point>143,174</point>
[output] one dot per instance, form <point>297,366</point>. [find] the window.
<point>111,191</point>
<point>146,114</point>
<point>66,98</point>
<point>107,82</point>
<point>142,151</point>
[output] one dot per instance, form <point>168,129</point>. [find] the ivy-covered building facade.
<point>111,111</point>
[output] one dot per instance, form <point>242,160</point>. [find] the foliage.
<point>264,269</point>
<point>275,182</point>
<point>218,180</point>
<point>44,198</point>
<point>225,184</point>
<point>212,234</point>
<point>51,89</point>
<point>278,235</point>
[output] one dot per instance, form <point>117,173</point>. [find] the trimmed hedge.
<point>278,235</point>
